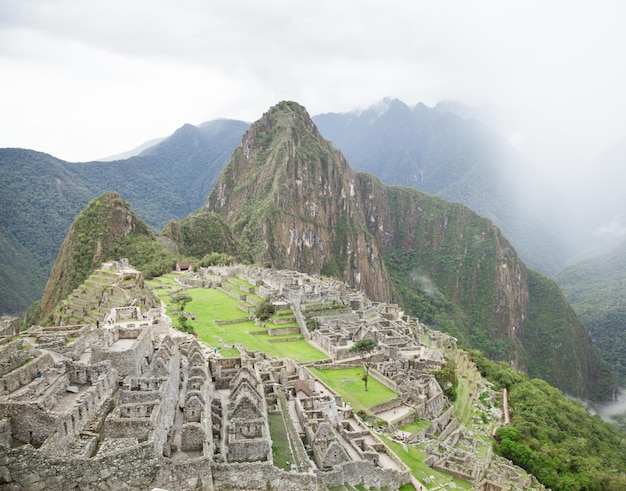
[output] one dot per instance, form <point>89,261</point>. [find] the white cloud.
<point>90,78</point>
<point>613,229</point>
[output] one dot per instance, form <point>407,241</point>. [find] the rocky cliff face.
<point>102,224</point>
<point>294,202</point>
<point>462,253</point>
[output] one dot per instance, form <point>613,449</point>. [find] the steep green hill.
<point>41,195</point>
<point>294,202</point>
<point>202,233</point>
<point>39,198</point>
<point>596,289</point>
<point>105,229</point>
<point>555,438</point>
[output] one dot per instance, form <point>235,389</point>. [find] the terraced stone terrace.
<point>114,285</point>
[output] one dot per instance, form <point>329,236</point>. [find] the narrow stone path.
<point>224,396</point>
<point>179,417</point>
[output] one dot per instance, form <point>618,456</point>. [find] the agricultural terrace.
<point>348,383</point>
<point>414,459</point>
<point>209,306</point>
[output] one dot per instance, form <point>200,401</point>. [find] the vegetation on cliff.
<point>595,290</point>
<point>202,233</point>
<point>555,438</point>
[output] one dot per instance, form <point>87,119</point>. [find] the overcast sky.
<point>83,79</point>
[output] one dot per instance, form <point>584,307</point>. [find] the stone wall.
<point>192,437</point>
<point>132,361</point>
<point>9,326</point>
<point>258,476</point>
<point>386,406</point>
<point>362,472</point>
<point>23,375</point>
<point>27,469</point>
<point>12,356</point>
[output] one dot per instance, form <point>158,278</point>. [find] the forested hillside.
<point>596,290</point>
<point>555,438</point>
<point>40,196</point>
<point>447,152</point>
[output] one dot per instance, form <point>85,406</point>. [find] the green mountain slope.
<point>41,195</point>
<point>294,202</point>
<point>596,289</point>
<point>39,198</point>
<point>105,229</point>
<point>202,233</point>
<point>458,158</point>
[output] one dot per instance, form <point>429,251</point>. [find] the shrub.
<point>265,310</point>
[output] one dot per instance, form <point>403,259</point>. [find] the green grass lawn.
<point>348,383</point>
<point>280,442</point>
<point>415,426</point>
<point>209,305</point>
<point>413,458</point>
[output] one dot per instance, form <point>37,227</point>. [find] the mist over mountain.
<point>596,196</point>
<point>134,152</point>
<point>450,151</point>
<point>596,290</point>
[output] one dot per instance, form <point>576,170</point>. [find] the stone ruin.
<point>9,325</point>
<point>135,404</point>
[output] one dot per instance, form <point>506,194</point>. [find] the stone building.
<point>248,430</point>
<point>135,404</point>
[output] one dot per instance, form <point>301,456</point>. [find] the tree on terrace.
<point>181,302</point>
<point>363,347</point>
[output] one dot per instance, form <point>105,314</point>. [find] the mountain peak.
<point>294,203</point>
<point>104,222</point>
<point>286,114</point>
<point>293,199</point>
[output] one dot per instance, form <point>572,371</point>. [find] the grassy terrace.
<point>416,426</point>
<point>242,287</point>
<point>280,442</point>
<point>348,383</point>
<point>210,305</point>
<point>413,458</point>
